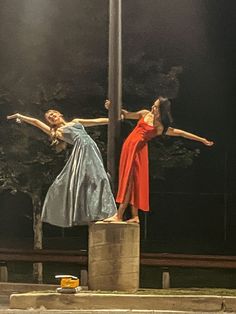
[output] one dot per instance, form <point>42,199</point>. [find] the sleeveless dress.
<point>134,166</point>
<point>81,193</point>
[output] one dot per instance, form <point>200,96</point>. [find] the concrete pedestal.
<point>114,257</point>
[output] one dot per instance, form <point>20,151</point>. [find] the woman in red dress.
<point>133,186</point>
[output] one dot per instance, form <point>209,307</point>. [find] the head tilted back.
<point>52,111</point>
<point>59,145</point>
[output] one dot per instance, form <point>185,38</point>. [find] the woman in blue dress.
<point>81,193</point>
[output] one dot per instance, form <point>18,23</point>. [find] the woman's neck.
<point>61,124</point>
<point>156,118</point>
<point>153,119</point>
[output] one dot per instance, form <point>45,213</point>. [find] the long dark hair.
<point>165,112</point>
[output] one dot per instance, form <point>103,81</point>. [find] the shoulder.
<point>144,112</point>
<point>76,120</point>
<point>61,130</point>
<point>71,123</point>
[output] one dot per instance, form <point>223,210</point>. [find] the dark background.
<point>54,54</point>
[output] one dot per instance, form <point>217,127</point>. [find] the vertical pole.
<point>114,89</point>
<point>165,278</point>
<point>226,196</point>
<point>38,235</point>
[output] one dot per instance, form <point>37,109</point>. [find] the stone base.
<point>96,301</point>
<point>114,256</point>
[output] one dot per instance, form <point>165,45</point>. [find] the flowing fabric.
<point>133,169</point>
<point>81,193</point>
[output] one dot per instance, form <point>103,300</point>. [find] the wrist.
<point>19,118</point>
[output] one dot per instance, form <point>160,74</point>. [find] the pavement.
<point>4,302</point>
<point>107,303</point>
<point>107,311</point>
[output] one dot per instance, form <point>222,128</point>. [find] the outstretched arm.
<point>92,122</point>
<point>35,122</point>
<point>134,115</point>
<point>190,136</point>
<point>125,114</point>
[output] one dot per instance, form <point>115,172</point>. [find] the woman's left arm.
<point>190,136</point>
<point>92,122</point>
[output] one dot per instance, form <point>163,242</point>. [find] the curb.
<point>100,301</point>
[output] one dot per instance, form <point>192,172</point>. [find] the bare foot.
<point>133,220</point>
<point>114,218</point>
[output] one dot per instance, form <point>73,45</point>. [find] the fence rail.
<point>147,259</point>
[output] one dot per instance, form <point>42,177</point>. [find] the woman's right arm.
<point>127,114</point>
<point>134,115</point>
<point>35,122</point>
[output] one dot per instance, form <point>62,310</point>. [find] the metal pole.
<point>226,196</point>
<point>114,89</point>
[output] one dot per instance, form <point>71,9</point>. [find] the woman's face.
<point>156,106</point>
<point>54,117</point>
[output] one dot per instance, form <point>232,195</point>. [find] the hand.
<point>207,143</point>
<point>16,116</point>
<point>122,115</point>
<point>107,104</point>
<point>13,116</point>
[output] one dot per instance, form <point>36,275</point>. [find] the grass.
<point>166,292</point>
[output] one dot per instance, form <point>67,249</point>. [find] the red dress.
<point>134,166</point>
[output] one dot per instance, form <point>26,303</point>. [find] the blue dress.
<point>81,193</point>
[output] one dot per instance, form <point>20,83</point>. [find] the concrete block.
<point>114,257</point>
<point>96,301</point>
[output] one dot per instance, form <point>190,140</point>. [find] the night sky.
<point>49,43</point>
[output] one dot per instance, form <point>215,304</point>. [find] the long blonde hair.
<point>59,145</point>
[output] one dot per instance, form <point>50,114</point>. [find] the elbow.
<point>35,121</point>
<point>182,134</point>
<point>176,132</point>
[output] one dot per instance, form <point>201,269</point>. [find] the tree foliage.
<point>70,75</point>
<point>27,162</point>
<point>146,79</point>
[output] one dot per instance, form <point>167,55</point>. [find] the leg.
<point>119,216</point>
<point>135,218</point>
<point>124,205</point>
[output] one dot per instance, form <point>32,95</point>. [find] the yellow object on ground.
<point>68,281</point>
